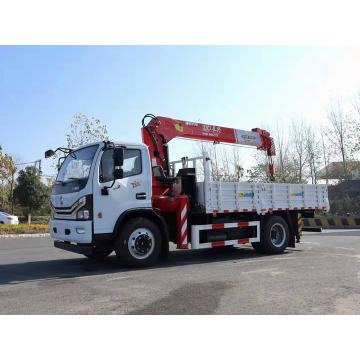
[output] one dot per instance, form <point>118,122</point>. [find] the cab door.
<point>132,191</point>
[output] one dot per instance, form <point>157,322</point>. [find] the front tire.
<point>274,237</point>
<point>138,243</point>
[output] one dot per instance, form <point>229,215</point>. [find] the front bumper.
<point>79,232</point>
<point>84,249</point>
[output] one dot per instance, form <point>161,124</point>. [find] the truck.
<point>130,198</point>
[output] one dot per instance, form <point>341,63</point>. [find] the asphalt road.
<point>320,276</point>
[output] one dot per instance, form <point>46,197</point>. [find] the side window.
<point>107,166</point>
<point>132,164</point>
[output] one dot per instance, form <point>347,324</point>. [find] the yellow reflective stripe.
<point>324,222</point>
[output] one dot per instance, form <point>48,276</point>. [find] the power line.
<point>26,163</point>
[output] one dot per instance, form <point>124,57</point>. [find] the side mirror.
<point>118,157</point>
<point>118,173</point>
<point>49,153</point>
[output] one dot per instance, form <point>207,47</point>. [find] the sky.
<point>43,87</point>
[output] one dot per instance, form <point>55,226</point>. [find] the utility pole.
<point>12,192</point>
<point>38,162</point>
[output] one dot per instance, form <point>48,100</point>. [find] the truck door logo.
<point>135,184</point>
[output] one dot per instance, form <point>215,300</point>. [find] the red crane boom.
<point>160,130</point>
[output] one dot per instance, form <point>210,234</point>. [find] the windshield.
<point>77,164</point>
<point>75,170</point>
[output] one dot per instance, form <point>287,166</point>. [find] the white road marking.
<point>119,278</point>
<point>240,261</point>
<point>344,248</point>
<point>267,270</point>
<point>329,231</point>
<point>310,242</point>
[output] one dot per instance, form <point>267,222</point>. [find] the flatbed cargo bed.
<point>223,197</point>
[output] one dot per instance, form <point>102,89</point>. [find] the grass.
<point>24,229</point>
<point>36,219</point>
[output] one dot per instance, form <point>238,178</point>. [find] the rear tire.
<point>138,243</point>
<point>274,237</point>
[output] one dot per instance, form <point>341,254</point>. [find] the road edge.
<point>24,235</point>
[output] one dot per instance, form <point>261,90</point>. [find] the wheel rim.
<point>141,243</point>
<point>278,235</point>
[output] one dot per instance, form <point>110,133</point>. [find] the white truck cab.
<point>86,199</point>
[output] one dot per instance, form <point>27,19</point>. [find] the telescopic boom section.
<point>160,130</point>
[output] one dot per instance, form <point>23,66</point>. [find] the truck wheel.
<point>99,254</point>
<point>274,236</point>
<point>139,243</point>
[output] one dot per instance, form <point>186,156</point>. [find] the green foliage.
<point>258,173</point>
<point>344,198</point>
<point>7,167</point>
<point>24,229</point>
<point>7,181</point>
<point>286,170</point>
<point>37,219</point>
<point>30,192</point>
<point>345,205</point>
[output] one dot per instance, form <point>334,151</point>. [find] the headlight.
<point>85,211</point>
<point>83,215</point>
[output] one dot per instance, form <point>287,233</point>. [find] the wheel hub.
<point>277,235</point>
<point>141,243</point>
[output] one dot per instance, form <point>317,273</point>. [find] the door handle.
<point>141,196</point>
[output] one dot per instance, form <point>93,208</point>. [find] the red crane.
<point>160,130</point>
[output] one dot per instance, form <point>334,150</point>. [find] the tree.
<point>7,174</point>
<point>356,122</point>
<point>286,169</point>
<point>85,130</point>
<point>325,152</point>
<point>313,151</point>
<point>286,174</point>
<point>259,172</point>
<point>299,146</point>
<point>340,133</point>
<point>281,152</point>
<point>31,193</point>
<point>225,165</point>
